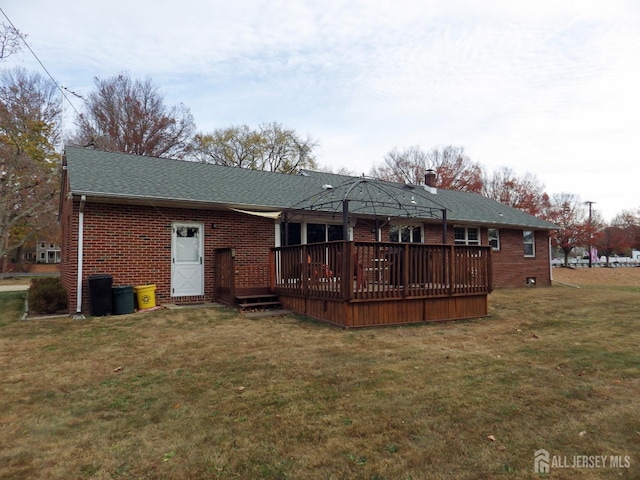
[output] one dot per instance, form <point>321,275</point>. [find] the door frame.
<point>199,263</point>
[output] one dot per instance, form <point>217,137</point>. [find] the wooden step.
<point>258,301</point>
<point>252,297</point>
<point>261,304</point>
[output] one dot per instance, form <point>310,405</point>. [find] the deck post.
<point>347,271</point>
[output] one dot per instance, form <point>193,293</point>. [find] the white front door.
<point>187,265</point>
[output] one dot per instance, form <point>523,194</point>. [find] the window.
<point>467,236</point>
<point>294,233</point>
<point>187,243</point>
<point>315,233</point>
<point>494,238</point>
<point>529,243</point>
<point>405,233</point>
<point>335,232</point>
<point>320,232</point>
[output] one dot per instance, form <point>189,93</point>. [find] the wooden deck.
<point>361,284</point>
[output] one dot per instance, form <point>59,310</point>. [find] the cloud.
<point>548,87</point>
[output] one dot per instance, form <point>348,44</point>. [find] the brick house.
<point>171,223</point>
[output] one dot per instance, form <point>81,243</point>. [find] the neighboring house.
<point>204,232</point>
<point>47,252</point>
<point>23,257</point>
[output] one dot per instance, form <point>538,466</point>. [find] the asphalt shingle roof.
<point>96,173</point>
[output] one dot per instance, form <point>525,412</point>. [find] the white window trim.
<point>496,248</point>
<point>466,236</point>
<point>532,243</point>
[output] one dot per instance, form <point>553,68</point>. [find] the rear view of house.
<point>349,250</point>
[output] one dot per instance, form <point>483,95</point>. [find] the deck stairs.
<point>250,301</point>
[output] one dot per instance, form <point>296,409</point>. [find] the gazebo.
<point>362,283</point>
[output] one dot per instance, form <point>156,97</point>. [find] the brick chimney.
<point>430,178</point>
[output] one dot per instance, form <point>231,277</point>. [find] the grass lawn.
<point>206,393</point>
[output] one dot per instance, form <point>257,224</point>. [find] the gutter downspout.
<point>550,258</point>
<point>79,315</point>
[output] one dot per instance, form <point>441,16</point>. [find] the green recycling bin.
<point>122,300</point>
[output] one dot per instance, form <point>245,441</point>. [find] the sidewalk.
<point>13,288</point>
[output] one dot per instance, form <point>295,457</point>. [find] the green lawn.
<point>206,393</point>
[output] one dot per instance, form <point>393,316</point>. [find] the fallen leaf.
<point>168,456</point>
<point>502,448</point>
<point>117,369</point>
<point>491,438</point>
<point>240,389</point>
<point>583,433</point>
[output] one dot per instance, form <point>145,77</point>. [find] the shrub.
<point>47,295</point>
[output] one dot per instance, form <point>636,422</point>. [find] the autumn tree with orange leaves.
<point>629,221</point>
<point>525,193</point>
<point>570,214</point>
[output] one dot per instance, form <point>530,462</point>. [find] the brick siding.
<point>511,268</point>
<point>133,245</point>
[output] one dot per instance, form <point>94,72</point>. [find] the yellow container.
<point>145,295</point>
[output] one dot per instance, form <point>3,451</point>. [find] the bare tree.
<point>454,169</point>
<point>403,166</point>
<point>235,146</point>
<point>270,147</point>
<point>525,193</point>
<point>10,40</point>
<point>29,120</point>
<point>130,116</point>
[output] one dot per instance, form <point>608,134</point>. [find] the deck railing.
<point>375,270</point>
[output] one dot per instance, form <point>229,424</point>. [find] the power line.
<point>62,90</point>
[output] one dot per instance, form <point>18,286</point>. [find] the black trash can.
<point>100,295</point>
<point>122,300</point>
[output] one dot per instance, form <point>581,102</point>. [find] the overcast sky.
<point>546,87</point>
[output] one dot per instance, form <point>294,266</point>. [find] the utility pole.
<point>589,232</point>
